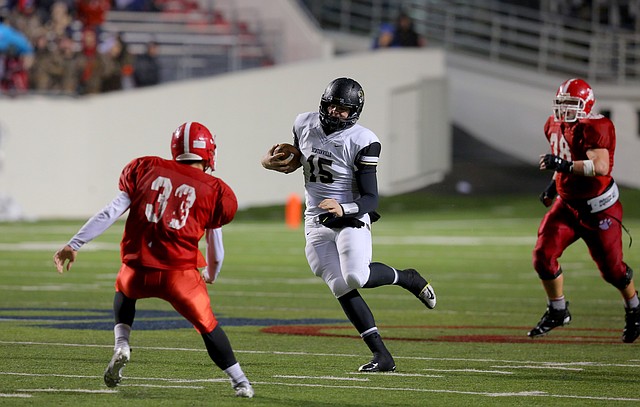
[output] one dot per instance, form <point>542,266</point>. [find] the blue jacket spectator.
<point>11,39</point>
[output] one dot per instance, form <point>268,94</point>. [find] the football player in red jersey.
<point>172,204</point>
<point>587,207</point>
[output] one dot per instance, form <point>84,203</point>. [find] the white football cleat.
<point>244,389</point>
<point>113,373</point>
<point>428,296</point>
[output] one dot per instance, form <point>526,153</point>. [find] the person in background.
<point>73,64</point>
<point>172,204</point>
<point>405,34</point>
<point>146,70</point>
<point>587,206</point>
<point>92,63</point>
<point>400,34</point>
<point>92,13</point>
<point>118,72</point>
<point>16,58</point>
<point>46,67</point>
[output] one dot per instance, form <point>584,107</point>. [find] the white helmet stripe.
<point>187,137</point>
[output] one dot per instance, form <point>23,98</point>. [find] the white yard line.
<point>532,393</point>
<point>260,352</point>
<point>469,371</point>
<point>51,390</point>
<point>539,367</point>
<point>15,395</point>
<point>518,364</point>
<point>321,378</point>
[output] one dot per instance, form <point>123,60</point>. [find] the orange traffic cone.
<point>293,211</point>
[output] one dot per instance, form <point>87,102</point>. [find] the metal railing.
<point>543,41</point>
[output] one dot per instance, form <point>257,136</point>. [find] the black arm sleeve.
<point>367,179</point>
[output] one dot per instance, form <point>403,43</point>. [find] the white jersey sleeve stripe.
<point>368,160</point>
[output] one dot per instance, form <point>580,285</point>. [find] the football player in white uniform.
<point>339,158</point>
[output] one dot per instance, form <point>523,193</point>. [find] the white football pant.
<point>340,256</point>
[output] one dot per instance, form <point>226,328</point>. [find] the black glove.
<point>332,221</point>
<point>555,163</point>
<point>550,192</point>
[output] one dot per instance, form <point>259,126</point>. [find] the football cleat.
<point>552,318</point>
<point>428,296</point>
<point>244,389</point>
<point>113,373</point>
<point>632,325</point>
<point>420,287</point>
<point>378,364</point>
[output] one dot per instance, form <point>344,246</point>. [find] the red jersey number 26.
<point>559,146</point>
<point>184,194</point>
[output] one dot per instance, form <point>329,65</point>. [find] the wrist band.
<point>588,169</point>
<point>350,208</point>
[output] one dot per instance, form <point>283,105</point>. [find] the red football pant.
<point>185,290</point>
<point>602,233</point>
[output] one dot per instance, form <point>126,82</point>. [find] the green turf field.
<point>291,336</point>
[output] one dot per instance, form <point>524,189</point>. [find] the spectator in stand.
<point>25,18</point>
<point>146,70</point>
<point>118,73</point>
<point>16,57</point>
<point>59,25</point>
<point>92,13</point>
<point>47,64</point>
<point>15,78</point>
<point>401,34</point>
<point>73,66</point>
<point>385,36</point>
<point>405,34</point>
<point>92,64</point>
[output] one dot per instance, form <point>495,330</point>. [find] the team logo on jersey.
<point>604,224</point>
<point>321,152</point>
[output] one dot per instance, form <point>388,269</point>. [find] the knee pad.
<point>544,273</point>
<point>354,281</point>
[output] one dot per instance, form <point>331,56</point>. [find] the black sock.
<point>124,309</point>
<point>357,311</point>
<point>377,347</point>
<point>380,274</point>
<point>219,348</point>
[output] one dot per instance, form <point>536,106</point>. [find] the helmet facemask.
<point>344,92</point>
<point>574,100</point>
<point>334,123</point>
<point>568,109</point>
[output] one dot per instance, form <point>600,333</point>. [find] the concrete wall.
<point>62,156</point>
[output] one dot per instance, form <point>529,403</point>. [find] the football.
<point>291,152</point>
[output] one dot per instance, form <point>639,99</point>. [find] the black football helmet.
<point>343,92</point>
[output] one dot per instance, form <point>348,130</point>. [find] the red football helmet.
<point>573,101</point>
<point>193,141</point>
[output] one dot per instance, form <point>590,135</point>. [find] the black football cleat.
<point>552,318</point>
<point>379,364</point>
<point>418,286</point>
<point>632,325</point>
